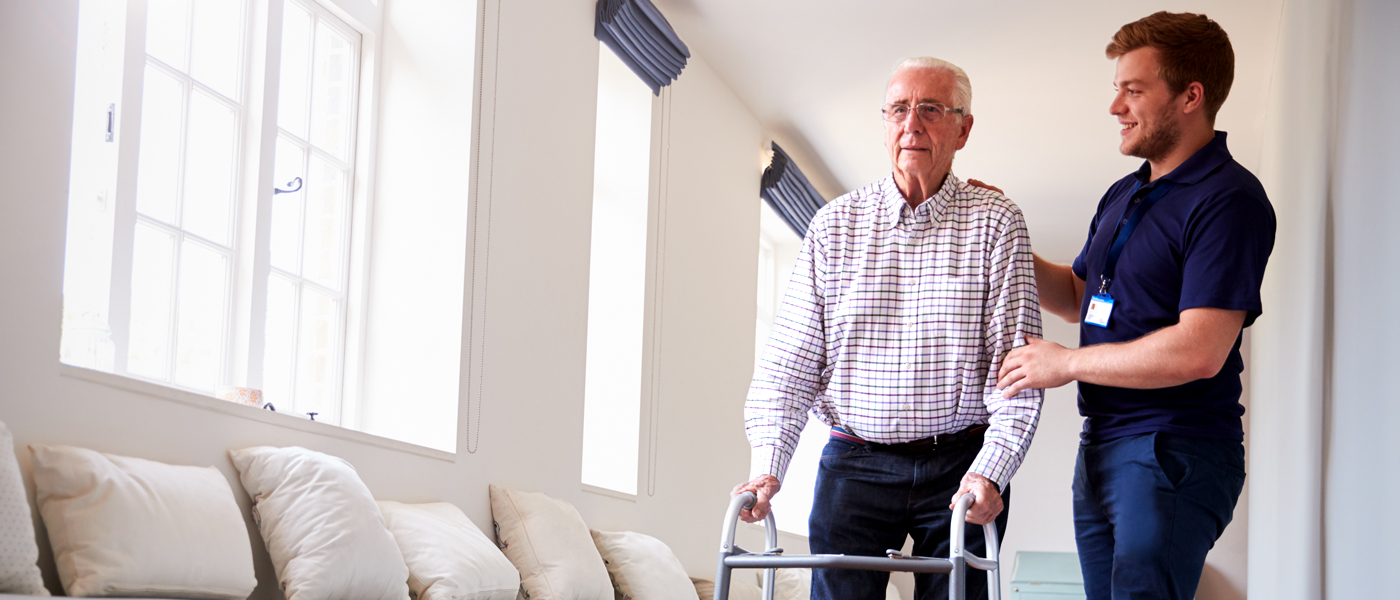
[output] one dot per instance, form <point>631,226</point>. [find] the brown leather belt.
<point>917,447</point>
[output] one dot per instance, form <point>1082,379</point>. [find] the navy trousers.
<point>1147,509</point>
<point>867,501</point>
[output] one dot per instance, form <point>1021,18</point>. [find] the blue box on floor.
<point>1046,576</point>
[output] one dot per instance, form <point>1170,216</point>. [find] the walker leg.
<point>722,579</point>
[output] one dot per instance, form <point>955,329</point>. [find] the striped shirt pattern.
<point>895,323</point>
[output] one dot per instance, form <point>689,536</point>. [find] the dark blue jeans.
<point>867,501</point>
<point>1147,509</point>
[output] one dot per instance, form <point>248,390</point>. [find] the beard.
<point>1157,139</point>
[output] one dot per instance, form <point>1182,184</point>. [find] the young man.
<point>1172,269</point>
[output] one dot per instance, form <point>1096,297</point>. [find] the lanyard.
<point>1139,207</point>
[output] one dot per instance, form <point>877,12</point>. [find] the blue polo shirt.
<point>1204,244</point>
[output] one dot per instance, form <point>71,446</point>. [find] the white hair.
<point>962,94</point>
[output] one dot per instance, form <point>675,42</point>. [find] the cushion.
<point>124,526</point>
<point>793,584</point>
<point>19,553</point>
<point>321,526</point>
<point>448,557</point>
<point>642,567</point>
<point>796,584</point>
<point>549,544</point>
<point>739,589</point>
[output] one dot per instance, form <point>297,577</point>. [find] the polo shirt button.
<point>1137,200</point>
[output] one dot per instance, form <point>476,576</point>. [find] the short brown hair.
<point>1191,47</point>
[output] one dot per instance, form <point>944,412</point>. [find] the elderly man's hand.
<point>988,504</point>
<point>763,486</point>
<point>1037,365</point>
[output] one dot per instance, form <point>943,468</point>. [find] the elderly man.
<point>905,298</point>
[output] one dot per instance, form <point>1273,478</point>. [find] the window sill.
<point>614,494</point>
<point>198,400</point>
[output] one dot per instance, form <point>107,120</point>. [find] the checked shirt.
<point>895,323</point>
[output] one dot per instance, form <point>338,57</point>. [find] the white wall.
<point>529,334</point>
<point>419,216</point>
<point>1361,453</point>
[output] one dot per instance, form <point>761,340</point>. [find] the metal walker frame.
<point>733,557</point>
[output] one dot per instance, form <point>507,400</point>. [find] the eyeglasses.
<point>930,112</point>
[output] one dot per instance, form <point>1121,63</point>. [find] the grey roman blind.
<point>789,193</point>
<point>642,38</point>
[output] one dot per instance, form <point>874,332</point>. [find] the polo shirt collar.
<point>1201,164</point>
<point>931,208</point>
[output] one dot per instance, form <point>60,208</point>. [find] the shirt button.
<point>908,366</point>
<point>1137,200</point>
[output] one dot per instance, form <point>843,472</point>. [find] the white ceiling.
<point>814,72</point>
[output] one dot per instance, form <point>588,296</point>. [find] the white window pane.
<point>158,167</point>
<point>279,345</point>
<point>325,199</point>
<point>616,278</point>
<point>148,352</point>
<point>287,208</point>
<point>316,364</point>
<point>332,79</point>
<point>218,45</point>
<point>200,341</point>
<point>295,86</point>
<point>209,157</point>
<point>167,28</point>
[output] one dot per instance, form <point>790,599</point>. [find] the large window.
<point>193,261</point>
<point>617,278</point>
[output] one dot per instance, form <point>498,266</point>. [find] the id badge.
<point>1100,307</point>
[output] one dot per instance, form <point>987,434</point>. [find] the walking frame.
<point>733,557</point>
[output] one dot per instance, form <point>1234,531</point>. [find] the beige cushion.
<point>642,567</point>
<point>321,526</point>
<point>448,557</point>
<point>549,544</point>
<point>793,584</point>
<point>19,552</point>
<point>130,527</point>
<point>739,588</point>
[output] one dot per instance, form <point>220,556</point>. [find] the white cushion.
<point>19,553</point>
<point>549,544</point>
<point>739,588</point>
<point>642,567</point>
<point>321,525</point>
<point>892,593</point>
<point>448,557</point>
<point>793,584</point>
<point>131,527</point>
<point>796,584</point>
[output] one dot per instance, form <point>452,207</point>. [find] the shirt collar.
<point>1201,164</point>
<point>932,207</point>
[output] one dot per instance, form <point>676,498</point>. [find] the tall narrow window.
<point>617,278</point>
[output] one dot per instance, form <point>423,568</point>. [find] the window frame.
<point>247,253</point>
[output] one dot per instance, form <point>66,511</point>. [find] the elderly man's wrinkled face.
<point>919,149</point>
